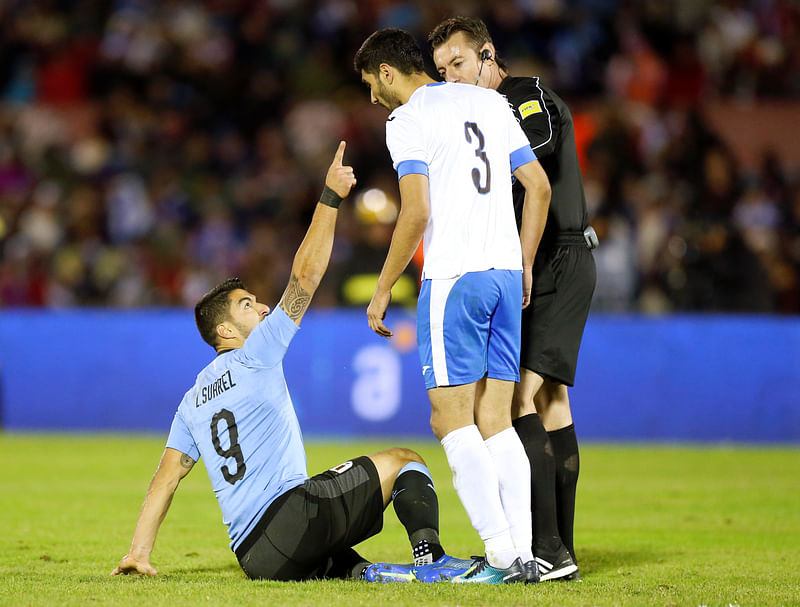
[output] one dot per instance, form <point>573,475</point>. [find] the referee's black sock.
<point>565,451</point>
<point>543,482</point>
<point>417,508</point>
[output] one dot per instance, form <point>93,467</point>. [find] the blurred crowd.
<point>151,148</point>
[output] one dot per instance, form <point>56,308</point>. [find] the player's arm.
<point>534,218</point>
<point>311,259</point>
<point>173,467</point>
<point>415,209</point>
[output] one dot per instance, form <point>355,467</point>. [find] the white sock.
<point>514,475</point>
<point>475,481</point>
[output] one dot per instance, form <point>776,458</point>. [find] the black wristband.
<point>330,198</point>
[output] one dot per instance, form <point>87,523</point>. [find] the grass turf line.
<point>657,525</point>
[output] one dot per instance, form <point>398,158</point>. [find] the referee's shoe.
<point>555,565</point>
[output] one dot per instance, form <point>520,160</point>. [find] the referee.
<point>563,282</point>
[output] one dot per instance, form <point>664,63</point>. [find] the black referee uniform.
<point>564,278</point>
<point>564,273</point>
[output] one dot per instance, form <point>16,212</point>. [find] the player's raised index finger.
<point>337,159</point>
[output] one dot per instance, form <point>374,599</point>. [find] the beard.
<point>387,98</point>
<point>242,328</point>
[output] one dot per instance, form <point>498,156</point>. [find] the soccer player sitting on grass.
<point>239,417</point>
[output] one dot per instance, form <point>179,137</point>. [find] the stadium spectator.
<point>204,104</point>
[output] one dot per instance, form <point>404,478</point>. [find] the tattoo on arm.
<point>186,461</point>
<point>295,299</point>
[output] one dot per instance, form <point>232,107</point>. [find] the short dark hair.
<point>214,308</point>
<point>393,46</point>
<point>476,31</point>
<point>474,28</point>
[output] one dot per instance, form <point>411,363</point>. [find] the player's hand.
<point>131,566</point>
<point>376,312</point>
<point>340,178</point>
<point>527,285</point>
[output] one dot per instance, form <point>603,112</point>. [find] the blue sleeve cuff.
<point>412,166</point>
<point>523,155</point>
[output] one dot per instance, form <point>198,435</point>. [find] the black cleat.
<point>575,576</point>
<point>555,565</point>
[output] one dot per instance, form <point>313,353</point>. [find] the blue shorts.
<point>469,327</point>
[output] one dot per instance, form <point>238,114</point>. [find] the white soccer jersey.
<point>468,142</point>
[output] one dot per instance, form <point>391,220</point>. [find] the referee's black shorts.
<point>552,326</point>
<point>305,530</point>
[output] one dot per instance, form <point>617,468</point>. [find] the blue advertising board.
<point>689,378</point>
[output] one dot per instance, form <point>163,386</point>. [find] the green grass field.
<point>657,525</point>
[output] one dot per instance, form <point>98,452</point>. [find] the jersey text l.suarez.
<point>218,386</point>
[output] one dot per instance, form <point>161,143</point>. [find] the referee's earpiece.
<point>486,54</point>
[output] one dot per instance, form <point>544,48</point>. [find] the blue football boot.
<point>389,572</point>
<point>442,569</point>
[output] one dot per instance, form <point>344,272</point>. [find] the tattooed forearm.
<point>186,461</point>
<point>295,299</point>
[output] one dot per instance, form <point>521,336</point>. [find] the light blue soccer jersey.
<point>239,417</point>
